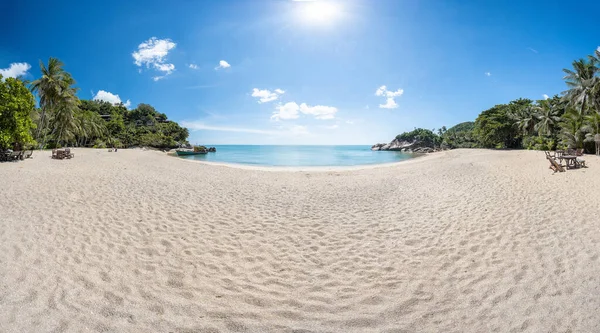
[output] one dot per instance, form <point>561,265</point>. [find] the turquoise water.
<point>300,156</point>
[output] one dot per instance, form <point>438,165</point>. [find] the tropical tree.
<point>54,91</point>
<point>582,82</point>
<point>63,122</point>
<point>572,129</point>
<point>16,106</point>
<point>592,129</point>
<point>525,118</point>
<point>547,117</point>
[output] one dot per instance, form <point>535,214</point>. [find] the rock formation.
<point>415,146</point>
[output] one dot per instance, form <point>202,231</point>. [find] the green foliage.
<point>539,143</point>
<point>142,126</point>
<point>65,120</point>
<point>572,132</point>
<point>460,136</point>
<point>502,126</point>
<point>427,137</point>
<point>16,106</point>
<point>98,143</point>
<point>200,148</point>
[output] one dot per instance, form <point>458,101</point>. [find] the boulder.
<point>415,146</point>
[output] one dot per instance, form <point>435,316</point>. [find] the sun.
<point>319,12</point>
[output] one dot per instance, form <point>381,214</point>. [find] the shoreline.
<point>420,157</point>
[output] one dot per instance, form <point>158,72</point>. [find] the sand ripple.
<point>462,241</point>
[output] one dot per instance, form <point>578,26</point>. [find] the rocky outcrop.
<point>415,146</point>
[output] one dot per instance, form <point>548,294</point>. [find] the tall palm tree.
<point>581,81</point>
<point>525,118</point>
<point>547,117</point>
<point>90,125</point>
<point>50,89</point>
<point>572,129</point>
<point>64,124</point>
<point>592,129</point>
<point>57,100</point>
<point>595,84</point>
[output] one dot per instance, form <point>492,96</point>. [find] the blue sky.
<point>303,72</point>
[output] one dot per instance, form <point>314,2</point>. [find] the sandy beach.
<point>457,241</point>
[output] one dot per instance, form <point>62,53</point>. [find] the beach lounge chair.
<point>579,152</point>
<point>26,154</point>
<point>15,155</point>
<point>68,153</point>
<point>554,165</point>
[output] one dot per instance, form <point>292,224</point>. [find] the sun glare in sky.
<point>319,12</point>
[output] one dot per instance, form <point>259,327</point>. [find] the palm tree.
<point>572,129</point>
<point>50,90</point>
<point>592,129</point>
<point>595,84</point>
<point>90,125</point>
<point>547,116</point>
<point>64,124</point>
<point>581,82</point>
<point>525,118</point>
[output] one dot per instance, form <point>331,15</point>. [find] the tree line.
<point>62,119</point>
<point>571,120</point>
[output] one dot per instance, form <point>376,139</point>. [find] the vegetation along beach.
<point>234,184</point>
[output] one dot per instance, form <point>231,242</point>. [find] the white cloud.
<point>390,97</point>
<point>546,96</point>
<point>223,64</point>
<point>287,111</point>
<point>153,53</point>
<point>167,68</point>
<point>319,111</point>
<point>15,69</point>
<point>292,110</point>
<point>336,126</point>
<point>532,50</point>
<point>389,104</point>
<point>351,122</point>
<point>598,49</point>
<point>193,66</point>
<point>382,91</point>
<point>156,78</point>
<point>488,74</point>
<point>265,95</point>
<point>110,97</point>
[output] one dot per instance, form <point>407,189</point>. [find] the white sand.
<point>459,241</point>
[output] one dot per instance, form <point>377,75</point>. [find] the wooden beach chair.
<point>68,153</point>
<point>15,155</point>
<point>26,154</point>
<point>555,166</point>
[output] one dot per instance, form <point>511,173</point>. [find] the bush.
<point>427,137</point>
<point>99,144</point>
<point>539,143</point>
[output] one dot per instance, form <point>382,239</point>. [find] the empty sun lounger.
<point>554,165</point>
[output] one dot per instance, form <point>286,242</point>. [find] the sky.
<point>303,72</point>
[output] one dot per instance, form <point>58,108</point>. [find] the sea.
<point>300,156</point>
